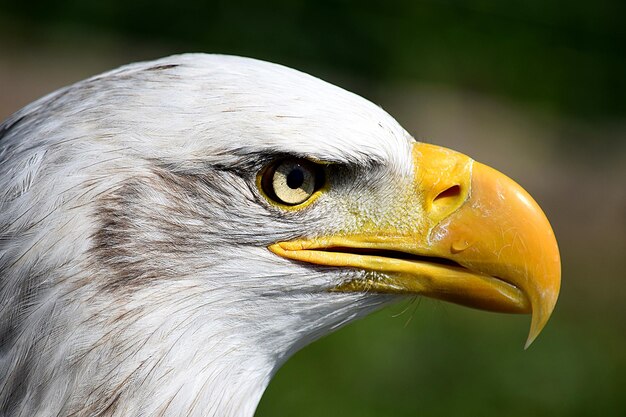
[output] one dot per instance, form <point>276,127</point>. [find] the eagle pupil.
<point>295,179</point>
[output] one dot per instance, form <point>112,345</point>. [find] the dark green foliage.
<point>560,57</point>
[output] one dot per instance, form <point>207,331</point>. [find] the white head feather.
<point>134,272</point>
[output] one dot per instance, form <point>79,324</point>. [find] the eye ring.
<point>291,181</point>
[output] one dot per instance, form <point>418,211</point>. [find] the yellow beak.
<point>475,238</point>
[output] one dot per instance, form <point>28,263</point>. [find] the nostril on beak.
<point>450,193</point>
<point>447,201</point>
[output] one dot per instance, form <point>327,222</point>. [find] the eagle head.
<point>172,231</point>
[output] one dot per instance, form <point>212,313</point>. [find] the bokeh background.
<point>534,88</point>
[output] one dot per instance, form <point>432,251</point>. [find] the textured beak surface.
<point>502,232</point>
<point>475,238</point>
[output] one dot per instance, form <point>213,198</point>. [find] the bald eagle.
<point>172,231</point>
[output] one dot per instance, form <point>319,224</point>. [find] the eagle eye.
<point>292,181</point>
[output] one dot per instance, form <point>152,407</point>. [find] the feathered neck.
<point>173,349</point>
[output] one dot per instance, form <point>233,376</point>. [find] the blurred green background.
<point>534,88</point>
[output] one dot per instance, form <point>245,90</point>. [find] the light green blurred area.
<point>436,360</point>
<point>534,89</point>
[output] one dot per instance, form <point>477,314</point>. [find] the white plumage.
<point>115,195</point>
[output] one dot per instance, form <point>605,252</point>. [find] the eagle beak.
<point>475,238</point>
